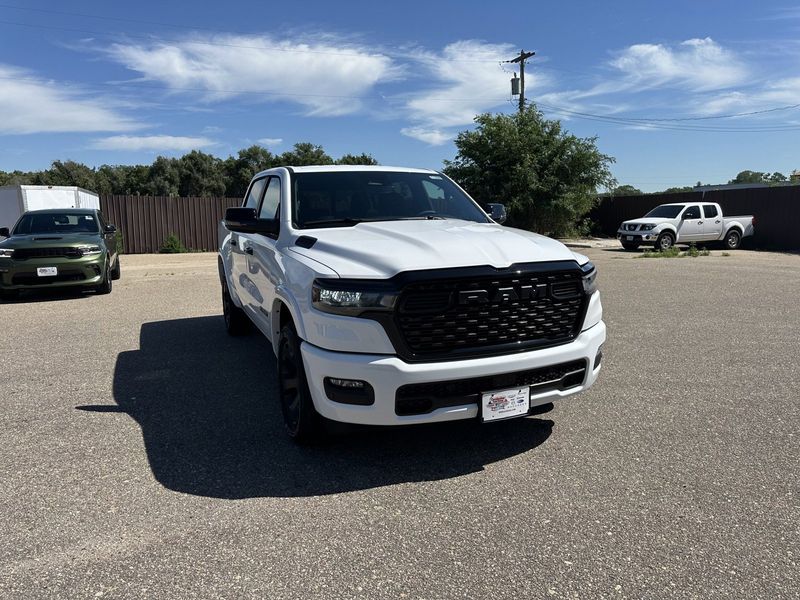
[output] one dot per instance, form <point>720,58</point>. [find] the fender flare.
<point>285,302</point>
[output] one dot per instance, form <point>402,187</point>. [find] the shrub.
<point>173,245</point>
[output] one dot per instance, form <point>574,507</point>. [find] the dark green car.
<point>58,248</point>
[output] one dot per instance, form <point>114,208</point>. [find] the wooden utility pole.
<point>523,56</point>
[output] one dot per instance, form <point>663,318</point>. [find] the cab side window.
<point>693,212</point>
<point>254,193</point>
<point>272,200</point>
<point>710,211</point>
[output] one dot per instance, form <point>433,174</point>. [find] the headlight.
<point>351,298</point>
<point>589,278</point>
<point>90,250</point>
<point>6,252</point>
<point>646,227</point>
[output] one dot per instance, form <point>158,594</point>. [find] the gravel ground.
<point>142,455</point>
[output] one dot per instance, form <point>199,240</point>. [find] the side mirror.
<point>497,212</point>
<point>111,228</point>
<point>4,232</point>
<point>245,220</point>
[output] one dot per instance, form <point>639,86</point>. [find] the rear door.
<point>691,225</point>
<point>712,223</point>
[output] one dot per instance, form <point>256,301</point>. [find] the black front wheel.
<point>303,423</point>
<point>106,286</point>
<point>116,272</point>
<point>236,321</point>
<point>665,241</point>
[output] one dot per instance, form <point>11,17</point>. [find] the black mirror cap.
<point>245,220</point>
<point>4,232</point>
<point>497,212</point>
<point>111,228</point>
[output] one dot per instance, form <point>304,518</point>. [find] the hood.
<point>648,221</point>
<point>382,250</point>
<point>51,240</point>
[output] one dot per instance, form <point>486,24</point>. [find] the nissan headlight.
<point>351,299</point>
<point>6,253</point>
<point>648,227</point>
<point>90,250</point>
<point>589,278</point>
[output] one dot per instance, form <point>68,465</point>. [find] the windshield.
<point>56,223</point>
<point>666,211</point>
<point>337,199</point>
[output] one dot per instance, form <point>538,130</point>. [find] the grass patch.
<point>692,252</point>
<point>726,254</point>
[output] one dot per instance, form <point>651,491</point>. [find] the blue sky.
<point>120,83</point>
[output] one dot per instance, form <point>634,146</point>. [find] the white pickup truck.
<point>685,223</point>
<point>391,297</point>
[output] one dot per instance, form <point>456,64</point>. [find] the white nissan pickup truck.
<point>684,223</point>
<point>391,297</point>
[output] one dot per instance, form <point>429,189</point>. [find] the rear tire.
<point>733,239</point>
<point>665,241</point>
<point>303,423</point>
<point>236,321</point>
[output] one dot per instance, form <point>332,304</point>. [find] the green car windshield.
<point>56,223</point>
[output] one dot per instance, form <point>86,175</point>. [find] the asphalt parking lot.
<point>142,455</point>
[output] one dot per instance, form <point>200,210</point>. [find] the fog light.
<point>347,383</point>
<point>349,391</point>
<point>598,358</point>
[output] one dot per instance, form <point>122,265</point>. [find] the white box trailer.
<point>16,199</point>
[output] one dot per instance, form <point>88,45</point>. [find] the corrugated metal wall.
<point>146,221</point>
<point>777,211</point>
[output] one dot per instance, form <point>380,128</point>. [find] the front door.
<point>240,277</point>
<point>691,226</point>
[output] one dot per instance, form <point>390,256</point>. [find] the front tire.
<point>116,272</point>
<point>303,423</point>
<point>665,241</point>
<point>733,239</point>
<point>106,286</point>
<point>236,321</point>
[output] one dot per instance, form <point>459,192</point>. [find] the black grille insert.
<point>23,253</point>
<point>423,398</point>
<point>34,279</point>
<point>482,315</point>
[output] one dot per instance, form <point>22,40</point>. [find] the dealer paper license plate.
<point>505,404</point>
<point>47,271</point>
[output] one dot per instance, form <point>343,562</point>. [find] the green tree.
<point>547,177</point>
<point>164,178</point>
<point>200,174</point>
<point>239,170</point>
<point>357,159</point>
<point>305,153</point>
<point>626,190</point>
<point>67,172</point>
<point>678,190</point>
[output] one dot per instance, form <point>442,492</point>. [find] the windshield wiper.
<point>342,221</point>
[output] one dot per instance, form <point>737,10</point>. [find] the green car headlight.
<point>90,250</point>
<point>6,252</point>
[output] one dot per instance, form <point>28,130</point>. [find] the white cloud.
<point>783,92</point>
<point>31,105</point>
<point>434,137</point>
<point>469,80</point>
<point>137,143</point>
<point>698,64</point>
<point>270,142</point>
<point>322,76</point>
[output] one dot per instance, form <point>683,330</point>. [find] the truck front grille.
<point>423,398</point>
<point>484,315</point>
<point>23,253</point>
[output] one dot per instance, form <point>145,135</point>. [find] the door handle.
<point>233,242</point>
<point>248,250</point>
<point>699,222</point>
<point>717,222</point>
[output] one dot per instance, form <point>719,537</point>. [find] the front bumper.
<point>72,272</point>
<point>386,374</point>
<point>637,237</point>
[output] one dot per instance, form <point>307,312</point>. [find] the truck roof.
<point>78,211</point>
<point>345,168</point>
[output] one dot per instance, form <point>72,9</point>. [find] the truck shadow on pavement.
<point>207,406</point>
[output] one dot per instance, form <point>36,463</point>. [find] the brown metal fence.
<point>146,221</point>
<point>777,211</point>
